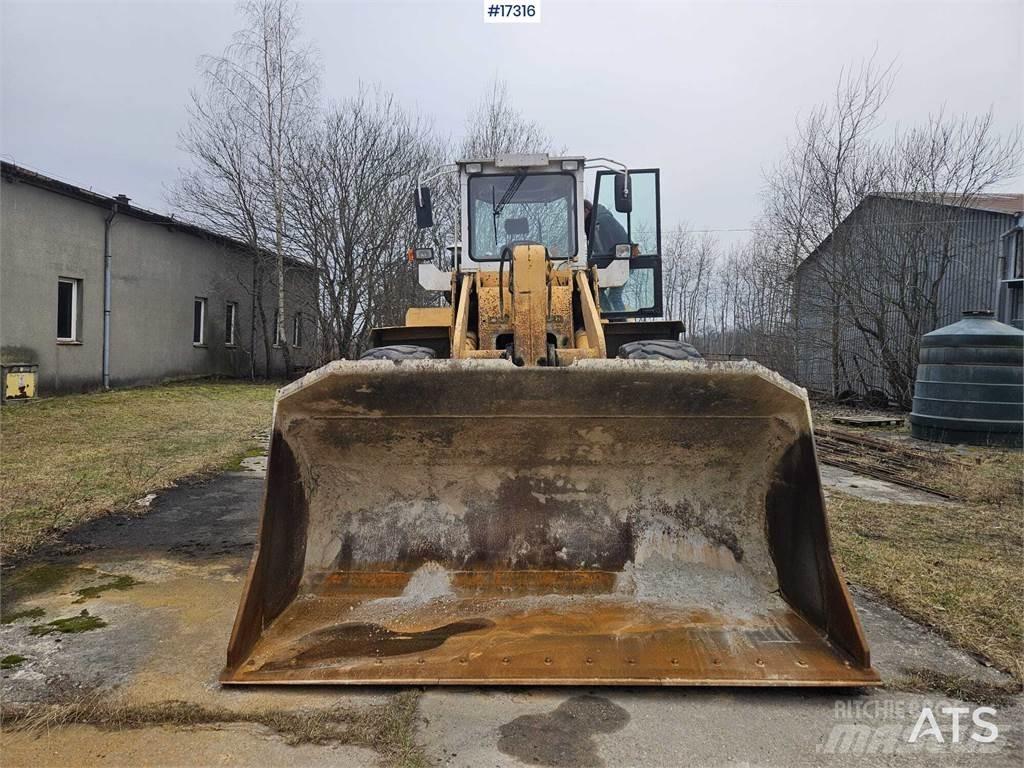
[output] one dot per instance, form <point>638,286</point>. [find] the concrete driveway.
<point>163,589</point>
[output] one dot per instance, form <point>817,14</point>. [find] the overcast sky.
<point>95,93</point>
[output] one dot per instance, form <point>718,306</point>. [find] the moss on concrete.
<point>83,622</point>
<point>119,583</point>
<point>9,617</point>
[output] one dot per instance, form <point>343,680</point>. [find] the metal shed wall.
<point>821,311</point>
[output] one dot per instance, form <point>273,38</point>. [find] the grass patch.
<point>118,583</point>
<point>11,661</point>
<point>83,622</point>
<point>81,456</point>
<point>961,687</point>
<point>987,476</point>
<point>955,567</point>
<point>29,613</point>
<point>235,464</point>
<point>388,728</point>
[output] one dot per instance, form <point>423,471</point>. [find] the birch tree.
<point>254,102</point>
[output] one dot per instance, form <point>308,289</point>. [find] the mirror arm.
<point>437,171</point>
<point>604,162</point>
<point>609,165</point>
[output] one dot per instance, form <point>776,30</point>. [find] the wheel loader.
<point>538,482</point>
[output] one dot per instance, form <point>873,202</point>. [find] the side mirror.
<point>623,193</point>
<point>424,208</point>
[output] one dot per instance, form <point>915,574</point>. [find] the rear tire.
<point>398,352</point>
<point>659,350</point>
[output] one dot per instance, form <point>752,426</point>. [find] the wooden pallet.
<point>869,421</point>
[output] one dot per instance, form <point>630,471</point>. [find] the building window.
<point>69,291</point>
<point>230,318</point>
<point>297,330</point>
<point>199,321</point>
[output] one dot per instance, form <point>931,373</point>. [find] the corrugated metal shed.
<point>968,253</point>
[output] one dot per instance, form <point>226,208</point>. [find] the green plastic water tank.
<point>970,383</point>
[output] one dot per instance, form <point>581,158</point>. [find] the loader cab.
<point>524,198</point>
<point>521,199</point>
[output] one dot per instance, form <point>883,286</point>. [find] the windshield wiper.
<point>496,208</point>
<point>494,215</point>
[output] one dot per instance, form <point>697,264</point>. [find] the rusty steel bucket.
<point>609,522</point>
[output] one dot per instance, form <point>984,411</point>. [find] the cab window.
<point>641,229</point>
<point>539,208</point>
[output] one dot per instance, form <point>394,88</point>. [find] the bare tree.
<point>351,204</point>
<point>222,191</point>
<point>869,285</point>
<point>826,170</point>
<point>350,208</point>
<point>255,100</point>
<point>497,127</point>
<point>687,273</point>
<point>904,247</point>
<point>872,284</point>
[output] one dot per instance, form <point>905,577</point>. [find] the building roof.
<point>1007,204</point>
<point>16,173</point>
<point>1010,202</point>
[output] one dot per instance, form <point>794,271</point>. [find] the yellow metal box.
<point>19,381</point>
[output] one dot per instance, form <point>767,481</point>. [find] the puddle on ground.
<point>563,738</point>
<point>355,640</point>
<point>32,580</point>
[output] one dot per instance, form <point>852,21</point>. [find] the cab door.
<point>641,295</point>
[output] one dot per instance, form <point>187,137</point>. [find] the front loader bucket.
<point>610,522</point>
